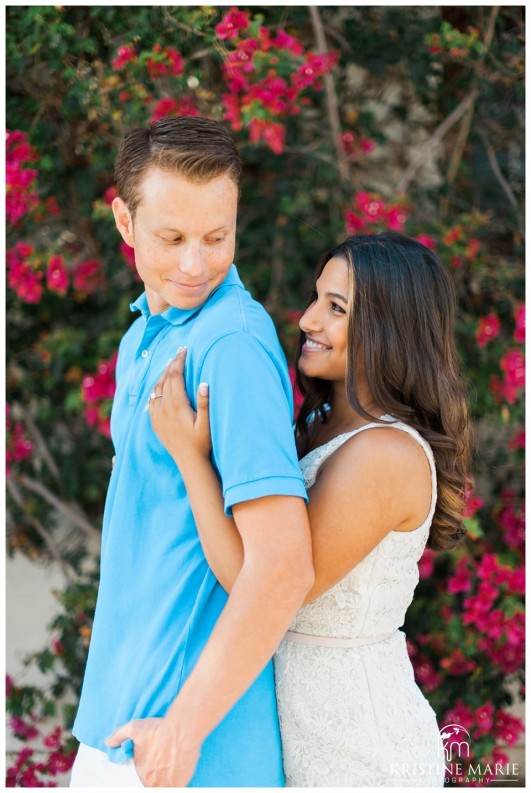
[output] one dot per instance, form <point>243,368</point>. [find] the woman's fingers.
<point>158,390</point>
<point>202,421</point>
<point>175,375</point>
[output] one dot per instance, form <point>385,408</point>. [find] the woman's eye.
<point>214,240</point>
<point>337,309</point>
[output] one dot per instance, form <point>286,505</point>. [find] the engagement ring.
<point>153,395</point>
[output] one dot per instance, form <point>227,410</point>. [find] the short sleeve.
<point>253,445</point>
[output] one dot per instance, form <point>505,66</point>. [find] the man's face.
<point>183,235</point>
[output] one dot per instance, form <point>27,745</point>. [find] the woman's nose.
<point>310,320</point>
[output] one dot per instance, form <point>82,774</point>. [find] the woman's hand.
<point>179,428</point>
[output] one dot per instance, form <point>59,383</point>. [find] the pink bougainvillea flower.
<point>426,674</point>
<point>512,365</point>
<point>110,194</point>
<point>453,235</point>
<point>284,41</point>
<point>511,518</point>
<point>314,67</point>
<point>298,399</point>
<point>88,277</point>
<point>270,132</point>
<point>126,54</point>
<point>176,60</point>
<point>57,278</point>
<point>24,730</point>
<point>371,210</point>
<point>472,502</point>
<point>54,739</point>
<point>429,242</point>
<point>461,580</point>
<point>174,107</point>
<point>488,328</point>
<point>519,333</point>
<point>354,145</point>
<point>472,249</point>
<point>231,24</point>
<point>484,717</point>
<point>24,271</point>
<point>165,107</point>
<point>354,222</point>
<point>457,664</point>
<point>129,255</point>
<point>21,197</point>
<point>97,390</point>
<point>426,563</point>
<point>518,440</point>
<point>232,111</point>
<point>507,727</point>
<point>18,446</point>
<point>460,714</point>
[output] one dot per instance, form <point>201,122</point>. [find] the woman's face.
<point>325,323</point>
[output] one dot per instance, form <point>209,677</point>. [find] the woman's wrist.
<point>188,459</point>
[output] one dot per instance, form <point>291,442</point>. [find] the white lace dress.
<point>351,714</point>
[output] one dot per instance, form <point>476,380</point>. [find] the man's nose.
<point>191,260</point>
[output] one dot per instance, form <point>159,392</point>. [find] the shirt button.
<point>145,353</point>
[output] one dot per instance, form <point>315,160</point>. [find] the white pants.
<point>93,768</point>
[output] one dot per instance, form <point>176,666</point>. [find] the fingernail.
<point>203,389</point>
<point>181,349</point>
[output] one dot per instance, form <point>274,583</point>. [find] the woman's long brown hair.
<point>401,326</point>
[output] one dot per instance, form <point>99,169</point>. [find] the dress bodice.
<point>373,598</point>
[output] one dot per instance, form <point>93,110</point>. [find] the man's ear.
<point>123,220</point>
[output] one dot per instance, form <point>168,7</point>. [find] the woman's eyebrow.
<point>339,297</point>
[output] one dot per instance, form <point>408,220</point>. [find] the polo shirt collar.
<point>178,316</point>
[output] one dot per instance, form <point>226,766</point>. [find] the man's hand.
<point>161,757</point>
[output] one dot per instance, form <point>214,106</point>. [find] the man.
<point>176,670</point>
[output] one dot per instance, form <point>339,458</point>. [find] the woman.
<point>383,442</point>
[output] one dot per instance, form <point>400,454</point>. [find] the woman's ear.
<point>123,220</point>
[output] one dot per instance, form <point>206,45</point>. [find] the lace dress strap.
<point>311,463</point>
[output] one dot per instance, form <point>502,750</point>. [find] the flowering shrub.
<point>267,77</point>
<point>18,446</point>
<point>326,142</point>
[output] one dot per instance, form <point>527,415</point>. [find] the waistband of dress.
<point>330,641</point>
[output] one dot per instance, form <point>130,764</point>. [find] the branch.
<point>69,512</point>
<point>491,154</point>
<point>435,139</point>
<point>277,268</point>
<point>51,544</point>
<point>43,449</point>
<point>460,144</point>
<point>331,97</point>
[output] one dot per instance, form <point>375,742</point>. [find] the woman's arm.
<point>378,481</point>
<point>186,436</point>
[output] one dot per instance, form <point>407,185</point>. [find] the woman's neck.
<point>343,415</point>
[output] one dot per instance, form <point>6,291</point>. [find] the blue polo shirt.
<point>158,600</point>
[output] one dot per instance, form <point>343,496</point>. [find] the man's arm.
<point>277,573</point>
